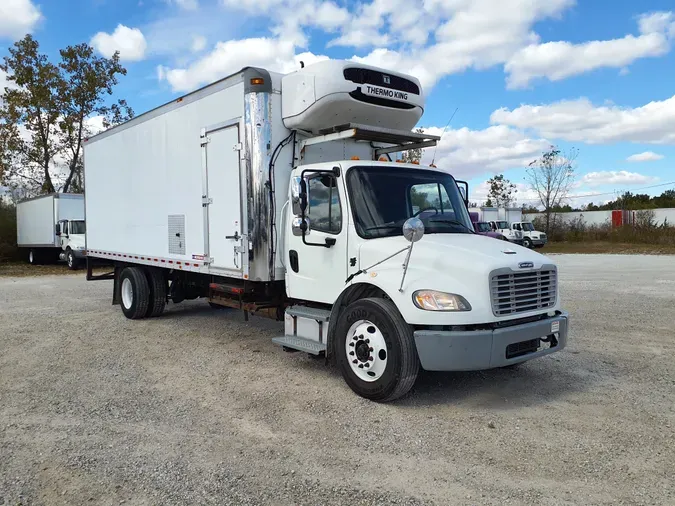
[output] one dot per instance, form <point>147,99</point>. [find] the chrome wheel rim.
<point>366,351</point>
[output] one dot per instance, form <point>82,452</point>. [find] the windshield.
<point>77,227</point>
<point>482,226</point>
<point>502,224</point>
<point>383,198</point>
<point>528,226</point>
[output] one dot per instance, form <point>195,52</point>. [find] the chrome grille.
<point>519,292</point>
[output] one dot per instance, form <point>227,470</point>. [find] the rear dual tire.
<point>375,350</point>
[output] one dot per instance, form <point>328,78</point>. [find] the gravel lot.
<point>198,407</point>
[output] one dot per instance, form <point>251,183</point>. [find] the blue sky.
<point>524,73</point>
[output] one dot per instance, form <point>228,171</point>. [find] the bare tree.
<point>552,176</point>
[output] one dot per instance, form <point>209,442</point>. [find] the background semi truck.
<point>51,228</point>
<point>278,195</point>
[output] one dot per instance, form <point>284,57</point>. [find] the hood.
<point>76,241</point>
<point>454,263</point>
<point>466,250</point>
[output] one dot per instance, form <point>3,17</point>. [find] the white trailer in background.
<point>276,194</point>
<point>498,218</point>
<point>51,228</point>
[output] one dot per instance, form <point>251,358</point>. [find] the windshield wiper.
<point>453,222</point>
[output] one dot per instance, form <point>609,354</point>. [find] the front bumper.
<point>491,348</point>
<point>539,242</point>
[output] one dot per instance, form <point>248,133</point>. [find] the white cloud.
<point>18,17</point>
<point>613,177</point>
<point>188,5</point>
<point>198,43</point>
<point>657,22</point>
<point>467,153</point>
<point>580,120</point>
<point>647,156</point>
<point>559,60</point>
<point>465,34</point>
<point>130,42</point>
<point>232,56</point>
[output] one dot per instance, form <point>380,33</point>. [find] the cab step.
<point>300,344</point>
<point>311,313</point>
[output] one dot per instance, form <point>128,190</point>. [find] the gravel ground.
<point>198,407</point>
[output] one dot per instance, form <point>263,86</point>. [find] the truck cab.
<point>384,247</point>
<point>71,236</point>
<point>511,234</point>
<point>531,238</point>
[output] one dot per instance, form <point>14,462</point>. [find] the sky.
<point>520,75</point>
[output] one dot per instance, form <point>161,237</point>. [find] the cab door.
<point>63,238</point>
<point>316,262</point>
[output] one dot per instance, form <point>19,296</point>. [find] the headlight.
<point>431,300</point>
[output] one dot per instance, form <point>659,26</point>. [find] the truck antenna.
<point>446,127</point>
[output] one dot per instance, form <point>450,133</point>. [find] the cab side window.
<point>517,226</point>
<point>325,213</point>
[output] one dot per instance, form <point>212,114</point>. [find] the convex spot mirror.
<point>413,229</point>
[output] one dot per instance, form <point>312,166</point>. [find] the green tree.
<point>501,192</point>
<point>47,112</point>
<point>89,80</point>
<point>28,117</point>
<point>552,176</point>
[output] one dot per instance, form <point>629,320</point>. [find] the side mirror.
<point>300,227</point>
<point>304,196</point>
<point>413,229</point>
<point>295,195</point>
<point>464,191</point>
<point>58,229</point>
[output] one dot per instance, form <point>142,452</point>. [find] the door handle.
<point>235,236</point>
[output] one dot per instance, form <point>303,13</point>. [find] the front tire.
<point>34,257</point>
<point>134,293</point>
<point>71,260</point>
<point>375,350</point>
<point>527,242</point>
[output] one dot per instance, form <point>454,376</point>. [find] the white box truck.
<point>277,194</point>
<point>497,219</point>
<point>51,228</point>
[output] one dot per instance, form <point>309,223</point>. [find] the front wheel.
<point>527,242</point>
<point>375,350</point>
<point>71,260</point>
<point>33,257</point>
